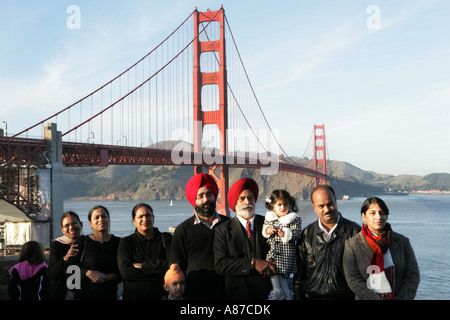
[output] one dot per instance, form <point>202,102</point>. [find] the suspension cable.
<point>140,85</point>
<point>253,91</point>
<point>106,84</point>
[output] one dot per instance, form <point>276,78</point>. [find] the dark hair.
<point>136,207</point>
<point>326,187</point>
<point>95,208</point>
<point>69,214</point>
<point>281,194</point>
<point>31,252</point>
<point>369,201</point>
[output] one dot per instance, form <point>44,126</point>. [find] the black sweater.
<point>192,249</point>
<point>147,282</point>
<point>99,256</point>
<point>56,271</point>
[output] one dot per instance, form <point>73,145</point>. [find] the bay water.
<point>424,219</point>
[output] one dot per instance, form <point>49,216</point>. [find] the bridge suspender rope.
<point>111,81</point>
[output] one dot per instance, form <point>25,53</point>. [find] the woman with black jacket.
<point>62,249</point>
<point>97,260</point>
<point>143,257</point>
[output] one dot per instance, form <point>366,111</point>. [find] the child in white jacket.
<point>282,227</point>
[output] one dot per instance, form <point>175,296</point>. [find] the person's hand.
<point>272,267</point>
<point>270,231</point>
<point>72,252</point>
<point>281,233</point>
<point>265,268</point>
<point>95,276</point>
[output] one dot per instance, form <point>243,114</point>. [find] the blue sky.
<point>378,80</point>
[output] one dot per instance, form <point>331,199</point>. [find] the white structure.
<point>17,228</point>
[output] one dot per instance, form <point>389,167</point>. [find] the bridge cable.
<point>109,82</point>
<point>236,100</point>
<point>253,91</point>
<point>140,85</point>
<point>307,146</point>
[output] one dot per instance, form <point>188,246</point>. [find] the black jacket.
<point>99,256</point>
<point>36,287</point>
<point>146,282</point>
<point>233,252</point>
<point>56,270</point>
<point>320,272</point>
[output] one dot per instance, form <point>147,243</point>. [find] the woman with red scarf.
<point>378,262</point>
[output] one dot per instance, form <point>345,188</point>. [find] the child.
<point>28,279</point>
<point>282,227</point>
<point>174,283</point>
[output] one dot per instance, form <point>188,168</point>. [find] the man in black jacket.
<point>240,249</point>
<point>320,248</point>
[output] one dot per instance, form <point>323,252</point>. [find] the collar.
<point>288,218</point>
<point>27,270</point>
<point>198,220</point>
<point>244,222</point>
<point>141,237</point>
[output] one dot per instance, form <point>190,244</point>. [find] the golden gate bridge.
<point>189,101</point>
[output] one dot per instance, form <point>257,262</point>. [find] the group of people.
<point>213,256</point>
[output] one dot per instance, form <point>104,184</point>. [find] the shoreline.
<point>428,192</point>
<point>406,193</point>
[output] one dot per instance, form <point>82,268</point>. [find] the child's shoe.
<point>276,294</point>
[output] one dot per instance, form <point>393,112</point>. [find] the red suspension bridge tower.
<point>319,153</point>
<point>218,116</point>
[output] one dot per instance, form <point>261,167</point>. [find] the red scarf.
<point>379,245</point>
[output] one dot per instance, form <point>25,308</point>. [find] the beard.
<point>246,212</point>
<point>206,209</point>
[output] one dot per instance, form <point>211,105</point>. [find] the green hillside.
<point>168,182</point>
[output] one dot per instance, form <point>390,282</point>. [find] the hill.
<point>390,183</point>
<point>150,183</point>
<point>140,183</point>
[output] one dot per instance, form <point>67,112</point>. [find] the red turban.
<point>238,187</point>
<point>198,181</point>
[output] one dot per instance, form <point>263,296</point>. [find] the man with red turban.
<point>240,249</point>
<point>192,242</point>
<point>238,187</point>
